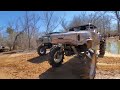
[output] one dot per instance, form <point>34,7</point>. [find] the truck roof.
<point>83,27</point>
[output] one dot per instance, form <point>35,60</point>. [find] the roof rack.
<point>84,27</point>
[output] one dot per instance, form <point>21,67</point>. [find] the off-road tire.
<point>52,53</point>
<point>102,48</point>
<point>44,50</point>
<point>85,69</point>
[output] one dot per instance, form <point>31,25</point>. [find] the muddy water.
<point>113,46</point>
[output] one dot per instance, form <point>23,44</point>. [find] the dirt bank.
<point>31,66</point>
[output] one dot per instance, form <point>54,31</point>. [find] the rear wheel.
<point>56,57</point>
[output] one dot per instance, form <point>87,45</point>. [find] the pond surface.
<point>113,46</point>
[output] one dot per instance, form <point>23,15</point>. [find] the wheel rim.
<point>92,68</point>
<point>57,57</point>
<point>42,50</point>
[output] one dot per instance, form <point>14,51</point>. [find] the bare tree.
<point>1,36</point>
<point>34,33</point>
<point>117,15</point>
<point>18,33</point>
<point>99,19</point>
<point>11,35</point>
<point>50,21</point>
<point>26,31</point>
<point>64,25</point>
<point>30,27</point>
<point>27,26</point>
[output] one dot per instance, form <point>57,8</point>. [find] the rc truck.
<point>82,42</point>
<point>3,49</point>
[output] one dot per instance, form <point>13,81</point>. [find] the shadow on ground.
<point>39,59</point>
<point>72,69</point>
<point>9,52</point>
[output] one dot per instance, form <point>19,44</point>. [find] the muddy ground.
<point>24,65</point>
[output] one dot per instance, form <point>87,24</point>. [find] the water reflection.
<point>113,46</point>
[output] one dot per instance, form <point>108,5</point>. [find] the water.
<point>113,46</point>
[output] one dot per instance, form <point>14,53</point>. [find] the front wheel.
<point>56,57</point>
<point>41,50</point>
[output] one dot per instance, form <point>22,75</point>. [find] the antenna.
<point>89,24</point>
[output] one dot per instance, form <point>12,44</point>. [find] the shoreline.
<point>108,54</point>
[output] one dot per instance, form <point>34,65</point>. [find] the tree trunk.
<point>119,36</point>
<point>14,43</point>
<point>10,48</point>
<point>29,38</point>
<point>118,29</point>
<point>29,42</point>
